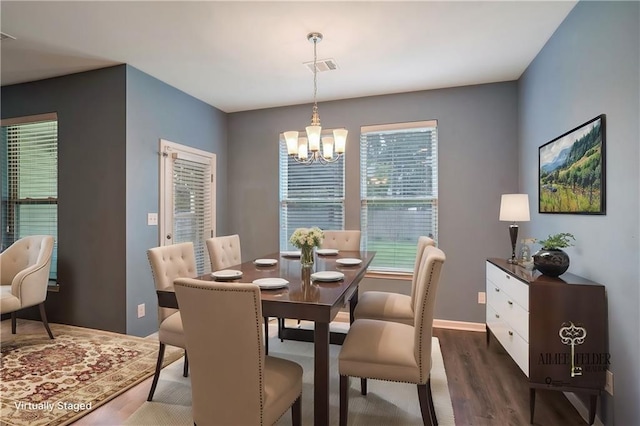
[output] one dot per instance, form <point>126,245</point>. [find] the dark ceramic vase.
<point>551,262</point>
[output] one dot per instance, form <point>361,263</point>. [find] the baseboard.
<point>437,323</point>
<point>459,325</point>
<point>581,408</point>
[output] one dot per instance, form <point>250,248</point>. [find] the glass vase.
<point>306,257</point>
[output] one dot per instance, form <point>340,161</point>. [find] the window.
<point>399,191</point>
<point>310,195</point>
<point>29,159</point>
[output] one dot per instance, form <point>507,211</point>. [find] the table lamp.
<point>514,208</point>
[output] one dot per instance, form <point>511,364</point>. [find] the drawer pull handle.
<point>510,333</point>
<point>497,289</point>
<point>508,277</point>
<point>497,316</point>
<point>509,302</point>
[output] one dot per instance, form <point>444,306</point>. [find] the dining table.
<point>303,297</point>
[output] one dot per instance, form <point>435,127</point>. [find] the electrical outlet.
<point>608,385</point>
<point>152,219</point>
<point>482,297</point>
<point>141,310</point>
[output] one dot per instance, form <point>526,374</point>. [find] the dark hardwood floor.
<point>486,386</point>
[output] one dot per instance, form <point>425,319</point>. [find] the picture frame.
<point>571,171</point>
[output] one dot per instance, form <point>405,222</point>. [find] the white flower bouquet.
<point>306,239</point>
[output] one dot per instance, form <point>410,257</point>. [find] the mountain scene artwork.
<point>571,173</point>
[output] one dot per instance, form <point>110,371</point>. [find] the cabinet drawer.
<point>508,310</point>
<point>518,290</point>
<point>515,345</point>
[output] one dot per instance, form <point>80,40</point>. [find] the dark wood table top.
<point>302,298</point>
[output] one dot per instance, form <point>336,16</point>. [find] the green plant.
<point>557,241</point>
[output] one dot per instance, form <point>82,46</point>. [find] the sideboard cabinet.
<point>553,328</point>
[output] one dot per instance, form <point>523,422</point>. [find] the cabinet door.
<point>562,314</point>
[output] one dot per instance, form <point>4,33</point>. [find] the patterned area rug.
<point>387,403</point>
<point>55,382</point>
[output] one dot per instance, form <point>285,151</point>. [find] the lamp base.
<point>513,234</point>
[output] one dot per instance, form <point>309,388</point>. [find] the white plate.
<point>265,262</point>
<point>269,283</point>
<point>349,261</point>
<point>327,252</point>
<point>226,274</point>
<point>327,276</point>
<point>291,253</point>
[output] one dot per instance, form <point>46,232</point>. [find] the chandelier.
<point>306,150</point>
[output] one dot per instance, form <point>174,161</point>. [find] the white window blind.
<point>192,210</point>
<point>399,191</point>
<point>310,195</point>
<point>30,180</point>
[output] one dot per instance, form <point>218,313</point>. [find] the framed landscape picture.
<point>571,173</point>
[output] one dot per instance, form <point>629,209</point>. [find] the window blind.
<point>192,207</point>
<point>310,195</point>
<point>399,191</point>
<point>30,181</point>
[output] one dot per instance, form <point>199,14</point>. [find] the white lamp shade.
<point>292,142</point>
<point>313,133</point>
<point>302,149</point>
<point>340,136</point>
<point>327,147</point>
<point>514,208</point>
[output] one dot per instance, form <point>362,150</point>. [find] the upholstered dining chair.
<point>225,252</point>
<point>167,264</point>
<point>24,277</point>
<point>388,306</point>
<point>233,382</point>
<point>348,240</point>
<point>392,351</point>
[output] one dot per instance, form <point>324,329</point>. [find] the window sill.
<point>401,276</point>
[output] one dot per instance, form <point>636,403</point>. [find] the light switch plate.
<point>482,297</point>
<point>152,219</point>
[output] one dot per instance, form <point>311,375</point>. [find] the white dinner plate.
<point>327,276</point>
<point>226,274</point>
<point>349,261</point>
<point>265,262</point>
<point>327,252</point>
<point>271,283</point>
<point>291,253</point>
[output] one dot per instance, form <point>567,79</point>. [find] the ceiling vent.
<point>4,36</point>
<point>322,65</point>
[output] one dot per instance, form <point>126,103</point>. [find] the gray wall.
<point>591,66</point>
<point>477,128</point>
<point>110,122</point>
<point>91,191</point>
<point>157,111</point>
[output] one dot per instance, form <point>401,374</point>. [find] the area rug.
<point>386,403</point>
<point>55,382</point>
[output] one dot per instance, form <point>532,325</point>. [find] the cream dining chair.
<point>167,264</point>
<point>24,277</point>
<point>387,306</point>
<point>225,252</point>
<point>348,240</point>
<point>233,382</point>
<point>392,351</point>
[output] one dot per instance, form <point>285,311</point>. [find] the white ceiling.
<point>240,55</point>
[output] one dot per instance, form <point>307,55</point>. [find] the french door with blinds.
<point>310,195</point>
<point>399,191</point>
<point>187,198</point>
